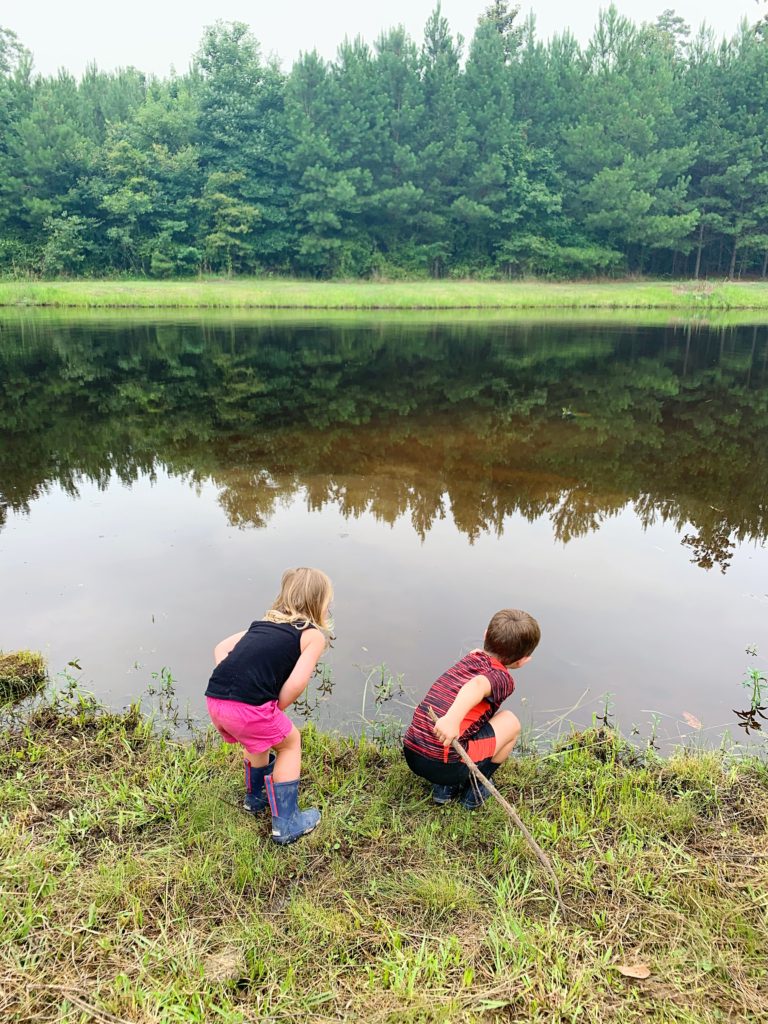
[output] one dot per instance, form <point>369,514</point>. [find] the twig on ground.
<point>477,774</point>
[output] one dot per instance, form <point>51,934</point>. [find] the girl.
<point>258,674</point>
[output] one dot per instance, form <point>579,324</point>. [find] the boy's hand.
<point>446,729</point>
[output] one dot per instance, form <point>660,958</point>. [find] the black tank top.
<point>258,665</point>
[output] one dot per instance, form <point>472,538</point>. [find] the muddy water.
<point>157,475</point>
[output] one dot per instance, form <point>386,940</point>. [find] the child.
<point>258,674</point>
<point>466,700</point>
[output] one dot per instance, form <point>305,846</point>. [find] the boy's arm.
<point>296,683</point>
<point>472,692</point>
<point>222,649</point>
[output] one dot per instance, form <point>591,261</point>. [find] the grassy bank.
<point>136,889</point>
<point>688,296</point>
<point>22,317</point>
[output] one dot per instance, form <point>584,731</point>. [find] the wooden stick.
<point>478,775</point>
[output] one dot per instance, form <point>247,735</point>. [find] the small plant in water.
<point>387,729</point>
<point>757,684</point>
<point>608,706</point>
<point>655,722</point>
<point>164,688</point>
<point>307,704</point>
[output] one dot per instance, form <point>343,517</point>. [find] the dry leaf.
<point>692,720</point>
<point>634,970</point>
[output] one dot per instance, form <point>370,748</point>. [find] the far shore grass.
<point>690,297</point>
<point>134,888</point>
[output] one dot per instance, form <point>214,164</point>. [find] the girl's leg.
<point>257,760</point>
<point>288,821</point>
<point>507,728</point>
<point>288,763</point>
<point>257,768</point>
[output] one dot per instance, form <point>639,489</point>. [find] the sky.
<point>153,35</point>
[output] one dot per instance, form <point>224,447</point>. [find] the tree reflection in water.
<point>401,419</point>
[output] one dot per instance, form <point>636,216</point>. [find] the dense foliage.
<point>644,151</point>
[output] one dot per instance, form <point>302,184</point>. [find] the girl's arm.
<point>222,649</point>
<point>472,692</point>
<point>312,647</point>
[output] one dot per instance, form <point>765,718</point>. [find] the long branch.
<point>540,855</point>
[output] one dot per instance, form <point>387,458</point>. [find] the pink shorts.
<point>255,728</point>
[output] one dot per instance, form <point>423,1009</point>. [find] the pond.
<point>159,471</point>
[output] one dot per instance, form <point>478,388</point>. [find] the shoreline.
<point>372,319</point>
<point>137,888</point>
<point>689,297</point>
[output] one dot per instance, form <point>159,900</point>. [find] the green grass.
<point>248,293</point>
<point>135,888</point>
<point>23,316</point>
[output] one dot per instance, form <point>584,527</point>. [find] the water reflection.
<point>473,423</point>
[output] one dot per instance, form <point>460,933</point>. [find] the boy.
<point>466,698</point>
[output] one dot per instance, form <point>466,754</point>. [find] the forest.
<point>643,152</point>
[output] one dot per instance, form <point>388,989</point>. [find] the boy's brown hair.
<point>511,635</point>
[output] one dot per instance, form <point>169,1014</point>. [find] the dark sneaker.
<point>444,794</point>
<point>475,793</point>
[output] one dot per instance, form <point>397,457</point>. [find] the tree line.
<point>644,151</point>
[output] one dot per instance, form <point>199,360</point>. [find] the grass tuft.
<point>22,674</point>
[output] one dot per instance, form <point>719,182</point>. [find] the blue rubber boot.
<point>288,822</point>
<point>255,797</point>
<point>475,793</point>
<point>444,794</point>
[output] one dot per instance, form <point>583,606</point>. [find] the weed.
<point>387,729</point>
<point>756,683</point>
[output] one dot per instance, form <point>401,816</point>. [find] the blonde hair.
<point>303,600</point>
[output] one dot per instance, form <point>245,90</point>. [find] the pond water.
<point>158,473</point>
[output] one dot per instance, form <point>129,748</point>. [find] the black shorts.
<point>448,773</point>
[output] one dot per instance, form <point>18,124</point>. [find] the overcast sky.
<point>154,34</point>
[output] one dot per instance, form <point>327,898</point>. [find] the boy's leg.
<point>507,728</point>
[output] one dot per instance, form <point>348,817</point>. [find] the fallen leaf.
<point>634,970</point>
<point>692,720</point>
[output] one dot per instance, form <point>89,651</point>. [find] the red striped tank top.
<point>420,734</point>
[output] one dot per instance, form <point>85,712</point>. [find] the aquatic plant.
<point>757,684</point>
